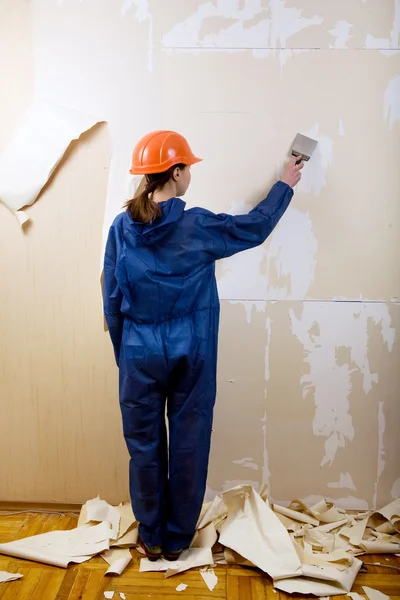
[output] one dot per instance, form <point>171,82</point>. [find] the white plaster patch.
<point>341,33</point>
<point>286,21</point>
<point>292,249</point>
<point>315,171</point>
<point>391,104</point>
<point>381,451</point>
<point>345,481</point>
<point>376,43</point>
<point>268,324</point>
<point>322,329</point>
<point>395,492</point>
<point>340,127</point>
<point>239,36</point>
<point>266,473</point>
<point>381,432</point>
<point>271,33</point>
<point>142,9</point>
<point>393,40</point>
<point>249,306</point>
<point>246,462</point>
<point>290,255</point>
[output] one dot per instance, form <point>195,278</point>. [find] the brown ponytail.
<point>142,207</point>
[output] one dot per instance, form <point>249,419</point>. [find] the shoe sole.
<point>152,557</point>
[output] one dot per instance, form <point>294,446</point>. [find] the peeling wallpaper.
<point>309,390</point>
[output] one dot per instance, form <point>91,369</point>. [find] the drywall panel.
<point>306,402</point>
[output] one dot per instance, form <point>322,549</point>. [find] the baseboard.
<point>45,507</point>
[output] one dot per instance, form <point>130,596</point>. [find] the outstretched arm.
<point>225,235</point>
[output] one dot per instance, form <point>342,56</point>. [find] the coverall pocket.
<point>133,359</point>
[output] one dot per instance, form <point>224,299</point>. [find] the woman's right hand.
<point>291,175</point>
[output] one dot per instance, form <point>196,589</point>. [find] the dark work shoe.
<point>153,553</point>
<point>172,556</point>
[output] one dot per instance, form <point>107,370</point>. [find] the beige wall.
<point>309,358</point>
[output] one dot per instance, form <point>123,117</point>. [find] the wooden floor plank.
<point>96,586</point>
<point>48,585</point>
<point>258,589</point>
<point>67,583</point>
<point>23,587</point>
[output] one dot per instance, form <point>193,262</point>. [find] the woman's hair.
<point>142,207</point>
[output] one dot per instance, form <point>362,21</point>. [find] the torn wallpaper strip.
<point>321,581</point>
<point>254,531</point>
<point>4,576</point>
<point>59,548</point>
<point>38,145</point>
<point>118,559</point>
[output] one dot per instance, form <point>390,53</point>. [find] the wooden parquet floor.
<point>87,581</point>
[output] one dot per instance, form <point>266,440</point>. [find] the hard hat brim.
<point>148,170</point>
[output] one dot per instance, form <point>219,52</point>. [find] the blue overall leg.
<point>191,402</point>
<point>142,401</point>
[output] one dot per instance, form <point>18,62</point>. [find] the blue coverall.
<point>162,309</point>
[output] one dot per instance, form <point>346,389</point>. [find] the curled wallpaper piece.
<point>340,557</point>
<point>38,145</point>
<point>181,587</point>
<point>355,533</point>
<point>233,558</point>
<point>124,524</point>
<point>388,514</point>
<point>205,538</point>
<point>254,531</point>
<point>118,559</point>
<point>4,576</point>
<point>295,515</point>
<point>331,526</point>
<point>127,518</point>
<point>379,547</point>
<point>129,539</point>
<point>321,581</point>
<point>215,511</point>
<point>99,511</point>
<point>59,548</point>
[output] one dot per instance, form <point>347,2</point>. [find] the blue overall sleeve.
<point>225,235</point>
<point>112,295</point>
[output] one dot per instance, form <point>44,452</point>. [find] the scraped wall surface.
<point>309,384</point>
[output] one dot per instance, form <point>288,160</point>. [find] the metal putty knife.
<point>303,146</point>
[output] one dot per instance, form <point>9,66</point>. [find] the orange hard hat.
<point>158,151</point>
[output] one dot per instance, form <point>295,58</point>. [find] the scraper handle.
<point>299,160</point>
